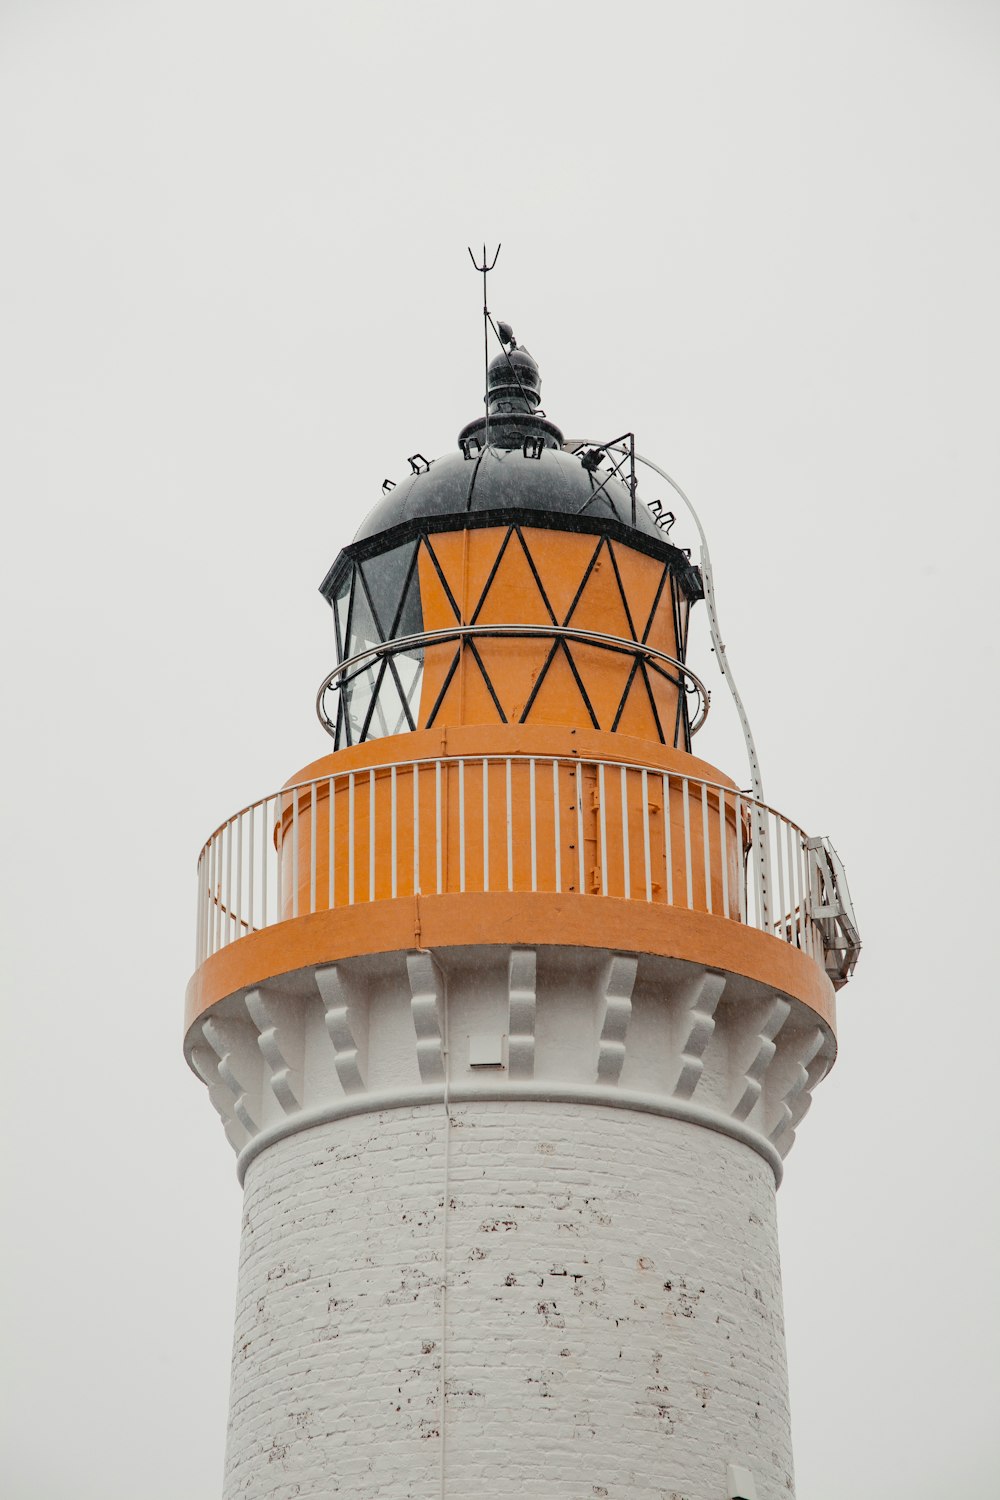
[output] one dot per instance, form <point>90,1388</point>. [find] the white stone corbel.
<point>344,1026</point>
<point>753,1051</point>
<point>239,1065</point>
<point>801,1065</point>
<point>205,1062</point>
<point>425,1008</point>
<point>279,1045</point>
<point>698,1023</point>
<point>615,1012</point>
<point>521,1005</point>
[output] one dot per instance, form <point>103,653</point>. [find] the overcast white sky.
<point>234,295</point>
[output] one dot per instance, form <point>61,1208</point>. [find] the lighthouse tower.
<point>510,1006</point>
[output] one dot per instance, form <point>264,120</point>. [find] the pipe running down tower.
<point>511,1006</point>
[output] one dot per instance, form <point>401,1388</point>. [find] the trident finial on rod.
<point>485,269</point>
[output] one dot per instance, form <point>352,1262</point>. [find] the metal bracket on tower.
<point>832,909</point>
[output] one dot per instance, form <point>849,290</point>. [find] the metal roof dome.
<point>511,464</point>
<point>509,484</point>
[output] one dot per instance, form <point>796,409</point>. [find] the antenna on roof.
<point>485,269</point>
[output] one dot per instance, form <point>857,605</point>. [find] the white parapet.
<point>510,1226</point>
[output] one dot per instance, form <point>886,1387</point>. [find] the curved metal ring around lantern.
<point>354,665</point>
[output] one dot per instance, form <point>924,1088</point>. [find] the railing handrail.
<point>746,797</point>
<point>620,643</point>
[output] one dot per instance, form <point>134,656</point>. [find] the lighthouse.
<point>510,1006</point>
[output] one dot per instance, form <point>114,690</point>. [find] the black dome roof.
<point>506,482</point>
<point>512,468</point>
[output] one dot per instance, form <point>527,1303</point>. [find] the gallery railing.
<point>525,824</point>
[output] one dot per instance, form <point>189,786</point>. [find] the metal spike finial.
<point>485,268</point>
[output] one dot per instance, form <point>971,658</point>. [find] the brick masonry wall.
<point>613,1310</point>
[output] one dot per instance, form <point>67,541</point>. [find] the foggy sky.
<point>234,295</point>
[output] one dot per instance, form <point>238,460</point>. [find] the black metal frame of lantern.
<point>373,645</point>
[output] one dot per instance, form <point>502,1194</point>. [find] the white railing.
<point>511,823</point>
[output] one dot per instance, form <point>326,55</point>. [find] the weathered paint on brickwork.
<point>613,1313</point>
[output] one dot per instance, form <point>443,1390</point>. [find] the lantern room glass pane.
<point>388,576</point>
<point>381,696</point>
<point>341,609</point>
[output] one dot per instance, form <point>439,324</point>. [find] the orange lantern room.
<point>514,582</point>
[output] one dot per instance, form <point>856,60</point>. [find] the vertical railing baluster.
<point>741,890</point>
<point>201,947</point>
<point>392,834</point>
<point>199,925</point>
<point>807,919</point>
<point>688,870</point>
<point>707,846</point>
<point>440,850</point>
<point>416,829</point>
<point>204,877</point>
<point>724,852</point>
<point>312,847</point>
<point>626,846</point>
<point>461,824</point>
<point>646,860</point>
<point>556,824</point>
<point>220,864</point>
<point>265,842</point>
<point>532,824</point>
<point>795,851</point>
<point>331,848</point>
<point>602,825</point>
<point>217,892</point>
<point>795,912</point>
<point>510,830</point>
<point>295,852</point>
<point>252,871</point>
<point>779,860</point>
<point>783,834</point>
<point>279,862</point>
<point>807,864</point>
<point>668,853</point>
<point>228,928</point>
<point>579,829</point>
<point>210,918</point>
<point>818,949</point>
<point>350,838</point>
<point>371,835</point>
<point>238,904</point>
<point>486,824</point>
<point>206,929</point>
<point>206,923</point>
<point>220,940</point>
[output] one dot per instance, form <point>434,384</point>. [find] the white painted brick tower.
<point>510,1006</point>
